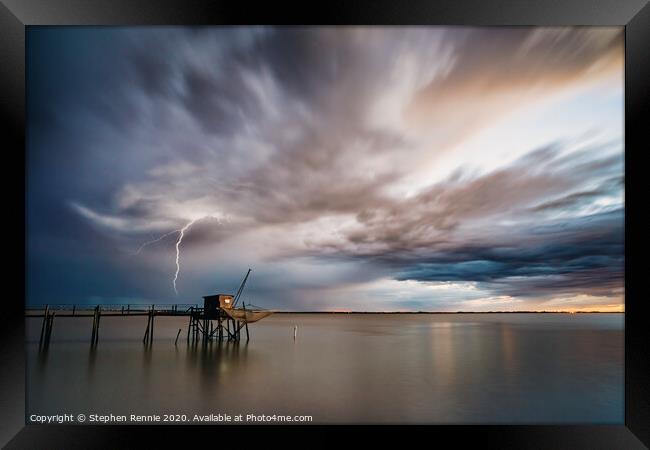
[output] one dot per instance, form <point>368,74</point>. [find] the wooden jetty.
<point>218,319</point>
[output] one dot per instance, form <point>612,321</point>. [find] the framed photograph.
<point>363,214</point>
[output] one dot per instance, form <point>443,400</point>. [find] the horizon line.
<point>111,306</point>
<point>449,312</point>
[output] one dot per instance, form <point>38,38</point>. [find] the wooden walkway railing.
<point>200,326</point>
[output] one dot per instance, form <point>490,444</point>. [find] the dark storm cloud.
<point>576,198</point>
<point>583,256</point>
<point>215,86</point>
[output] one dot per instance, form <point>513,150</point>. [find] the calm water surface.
<point>456,368</point>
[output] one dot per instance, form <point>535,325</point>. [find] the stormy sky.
<point>412,168</point>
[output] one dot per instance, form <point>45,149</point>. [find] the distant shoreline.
<point>449,312</point>
<point>117,308</point>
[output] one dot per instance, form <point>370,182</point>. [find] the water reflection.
<point>92,360</point>
<point>216,360</point>
<point>348,369</point>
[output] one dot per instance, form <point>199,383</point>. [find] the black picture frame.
<point>634,15</point>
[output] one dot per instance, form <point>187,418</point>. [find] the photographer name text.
<point>166,418</point>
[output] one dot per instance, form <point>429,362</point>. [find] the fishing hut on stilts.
<point>221,318</point>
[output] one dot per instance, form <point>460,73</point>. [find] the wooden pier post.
<point>220,327</point>
<point>145,339</point>
<point>43,324</point>
<point>246,322</point>
<point>48,329</point>
<point>152,317</point>
<point>46,340</point>
<point>99,316</point>
<point>49,334</point>
<point>177,334</point>
<point>189,325</point>
<point>193,328</point>
<point>92,337</point>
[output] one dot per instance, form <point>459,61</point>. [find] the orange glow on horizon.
<point>596,308</point>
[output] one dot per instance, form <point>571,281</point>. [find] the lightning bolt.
<point>154,241</point>
<point>179,240</point>
<point>178,250</point>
